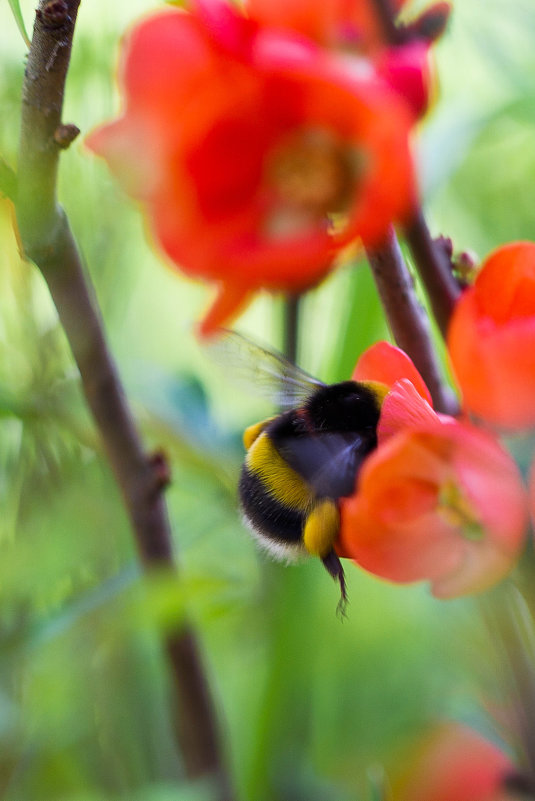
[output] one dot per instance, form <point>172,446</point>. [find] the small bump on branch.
<point>434,264</point>
<point>64,135</point>
<point>430,25</point>
<point>161,471</point>
<point>53,14</point>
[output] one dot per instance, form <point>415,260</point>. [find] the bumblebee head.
<point>348,406</point>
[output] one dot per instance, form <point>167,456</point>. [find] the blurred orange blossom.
<point>334,24</point>
<point>387,364</point>
<point>256,155</point>
<point>491,338</point>
<point>353,26</point>
<point>455,763</point>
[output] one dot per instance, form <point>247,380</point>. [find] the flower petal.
<point>491,339</point>
<point>403,408</point>
<point>455,763</point>
<point>244,143</point>
<point>443,503</point>
<point>387,364</point>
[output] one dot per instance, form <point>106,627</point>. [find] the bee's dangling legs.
<point>335,569</point>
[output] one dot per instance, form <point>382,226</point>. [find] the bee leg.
<point>335,569</point>
<point>320,531</point>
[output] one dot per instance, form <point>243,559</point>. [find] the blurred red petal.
<point>387,364</point>
<point>403,408</point>
<point>228,304</point>
<point>338,23</point>
<point>491,339</point>
<point>243,143</point>
<point>315,19</point>
<point>407,70</point>
<point>455,763</point>
<point>505,287</point>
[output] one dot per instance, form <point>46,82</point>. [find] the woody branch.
<point>47,240</point>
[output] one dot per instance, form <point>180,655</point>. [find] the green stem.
<point>291,327</point>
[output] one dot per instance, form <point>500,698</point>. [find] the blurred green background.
<point>312,708</point>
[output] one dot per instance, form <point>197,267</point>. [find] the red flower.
<point>334,23</point>
<point>456,764</point>
<point>443,504</point>
<point>386,364</point>
<point>439,500</point>
<point>354,26</point>
<point>257,156</point>
<point>407,69</point>
<point>491,338</point>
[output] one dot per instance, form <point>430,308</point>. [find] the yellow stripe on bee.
<point>281,481</point>
<point>321,528</point>
<point>379,389</point>
<point>253,432</point>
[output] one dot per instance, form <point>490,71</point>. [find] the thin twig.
<point>435,270</point>
<point>47,240</point>
<point>291,327</point>
<point>408,319</point>
<point>386,17</point>
<point>431,260</point>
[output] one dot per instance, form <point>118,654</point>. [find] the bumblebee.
<point>301,462</point>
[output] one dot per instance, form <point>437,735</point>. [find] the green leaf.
<point>17,13</point>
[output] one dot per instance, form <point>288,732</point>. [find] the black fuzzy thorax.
<point>347,406</point>
<point>326,440</point>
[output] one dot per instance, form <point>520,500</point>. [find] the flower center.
<point>312,172</point>
<point>457,511</point>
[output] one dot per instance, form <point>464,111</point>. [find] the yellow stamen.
<point>457,510</point>
<point>313,172</point>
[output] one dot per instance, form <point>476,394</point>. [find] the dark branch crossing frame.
<point>46,239</point>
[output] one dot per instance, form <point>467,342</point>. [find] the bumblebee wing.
<point>328,461</point>
<point>264,372</point>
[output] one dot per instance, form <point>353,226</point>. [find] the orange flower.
<point>491,338</point>
<point>408,70</point>
<point>335,23</point>
<point>256,155</point>
<point>456,763</point>
<point>386,364</point>
<point>353,26</point>
<point>441,502</point>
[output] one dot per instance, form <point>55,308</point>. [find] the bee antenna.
<point>335,569</point>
